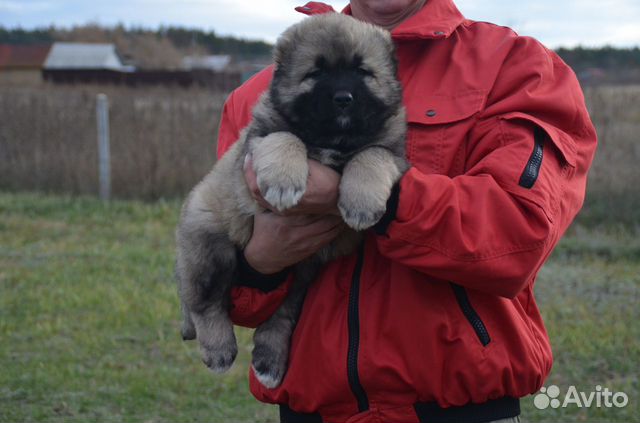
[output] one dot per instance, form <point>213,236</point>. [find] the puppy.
<point>334,98</point>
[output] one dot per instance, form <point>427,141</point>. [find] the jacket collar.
<point>436,19</point>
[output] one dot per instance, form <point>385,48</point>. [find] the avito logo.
<point>550,397</point>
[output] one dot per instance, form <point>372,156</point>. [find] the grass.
<point>89,319</point>
<point>588,293</point>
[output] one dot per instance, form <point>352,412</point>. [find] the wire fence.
<point>162,141</point>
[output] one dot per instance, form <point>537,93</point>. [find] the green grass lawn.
<point>89,319</point>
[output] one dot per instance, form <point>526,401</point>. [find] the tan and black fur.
<point>334,98</point>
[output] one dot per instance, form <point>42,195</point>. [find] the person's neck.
<point>387,21</point>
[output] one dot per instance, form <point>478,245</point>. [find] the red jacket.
<point>441,307</point>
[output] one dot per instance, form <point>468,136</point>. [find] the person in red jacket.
<point>434,318</point>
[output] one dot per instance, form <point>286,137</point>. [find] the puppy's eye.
<point>313,74</point>
<point>364,71</point>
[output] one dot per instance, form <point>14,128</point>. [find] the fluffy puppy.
<point>334,98</point>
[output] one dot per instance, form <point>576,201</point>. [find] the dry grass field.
<point>612,193</point>
<point>162,139</point>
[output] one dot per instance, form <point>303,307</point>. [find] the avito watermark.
<point>600,397</point>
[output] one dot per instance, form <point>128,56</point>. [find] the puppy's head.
<point>335,76</point>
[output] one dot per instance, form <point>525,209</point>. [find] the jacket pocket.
<point>562,142</point>
<point>532,169</point>
<point>439,109</point>
<point>547,166</point>
<point>470,314</point>
<point>438,128</point>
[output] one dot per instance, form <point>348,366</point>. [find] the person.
<point>434,318</point>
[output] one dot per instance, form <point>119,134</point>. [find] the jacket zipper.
<point>354,335</point>
<point>470,313</point>
<point>531,171</point>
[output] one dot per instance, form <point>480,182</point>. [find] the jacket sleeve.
<point>528,154</point>
<point>253,299</point>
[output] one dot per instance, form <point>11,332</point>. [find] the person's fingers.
<point>320,196</point>
<point>265,204</point>
<point>322,226</point>
<point>303,226</point>
<point>250,177</point>
<point>332,232</point>
<point>314,243</point>
<point>279,241</point>
<point>306,219</point>
<point>252,183</point>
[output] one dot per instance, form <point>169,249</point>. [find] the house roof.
<point>217,62</point>
<point>23,56</point>
<point>83,56</point>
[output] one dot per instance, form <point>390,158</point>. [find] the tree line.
<point>191,40</point>
<point>609,58</point>
<point>182,38</point>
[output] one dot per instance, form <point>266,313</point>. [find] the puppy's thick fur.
<point>334,98</point>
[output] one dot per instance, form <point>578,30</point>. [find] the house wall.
<point>20,77</point>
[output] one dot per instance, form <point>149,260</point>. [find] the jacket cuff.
<point>389,216</point>
<point>251,278</point>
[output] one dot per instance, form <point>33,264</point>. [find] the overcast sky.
<point>554,22</point>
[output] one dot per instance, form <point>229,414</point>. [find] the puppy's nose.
<point>342,98</point>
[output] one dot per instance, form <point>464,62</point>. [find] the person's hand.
<point>320,197</point>
<point>278,242</point>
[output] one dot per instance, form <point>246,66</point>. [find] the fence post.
<point>104,154</point>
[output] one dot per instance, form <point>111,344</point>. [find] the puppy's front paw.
<point>360,212</point>
<point>280,163</point>
<point>365,187</point>
<point>269,365</point>
<point>281,196</point>
<point>360,219</point>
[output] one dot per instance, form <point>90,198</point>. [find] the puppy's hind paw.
<point>268,367</point>
<point>219,359</point>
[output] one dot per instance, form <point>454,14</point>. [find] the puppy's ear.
<point>280,69</point>
<point>281,57</point>
<point>278,54</point>
<point>393,58</point>
<point>282,50</point>
<point>387,41</point>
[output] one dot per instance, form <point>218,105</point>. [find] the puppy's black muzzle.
<point>342,99</point>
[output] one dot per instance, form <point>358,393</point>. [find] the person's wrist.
<point>252,278</point>
<point>258,264</point>
<point>381,227</point>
